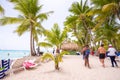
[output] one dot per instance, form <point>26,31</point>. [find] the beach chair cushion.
<point>29,64</point>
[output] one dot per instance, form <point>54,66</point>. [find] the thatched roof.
<point>69,46</point>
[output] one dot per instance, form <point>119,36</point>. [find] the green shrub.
<point>72,52</point>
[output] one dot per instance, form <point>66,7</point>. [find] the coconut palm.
<point>57,58</point>
<point>29,20</point>
<point>79,22</point>
<point>108,33</point>
<point>106,11</point>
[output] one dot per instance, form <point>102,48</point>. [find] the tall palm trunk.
<point>31,40</point>
<point>114,43</point>
<point>87,32</point>
<point>34,52</point>
<point>75,31</point>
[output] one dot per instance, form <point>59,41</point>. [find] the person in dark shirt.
<point>86,52</point>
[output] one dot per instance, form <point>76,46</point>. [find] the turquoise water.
<point>13,54</point>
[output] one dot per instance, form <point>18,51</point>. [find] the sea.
<point>13,54</point>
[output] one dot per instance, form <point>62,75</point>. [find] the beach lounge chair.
<point>5,66</point>
<point>2,74</point>
<point>16,65</point>
<point>29,64</point>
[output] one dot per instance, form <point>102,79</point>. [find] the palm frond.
<point>75,8</point>
<point>47,56</point>
<point>1,10</point>
<point>70,19</point>
<point>109,7</point>
<point>94,11</point>
<point>23,27</point>
<point>59,56</point>
<point>45,44</point>
<point>64,53</point>
<point>44,16</point>
<point>10,20</point>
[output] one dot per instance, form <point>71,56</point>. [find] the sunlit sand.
<point>72,68</point>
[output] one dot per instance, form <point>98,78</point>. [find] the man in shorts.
<point>102,54</point>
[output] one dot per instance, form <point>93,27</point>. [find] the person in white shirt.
<point>112,54</point>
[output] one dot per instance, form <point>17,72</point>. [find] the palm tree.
<point>106,10</point>
<point>79,22</point>
<point>57,58</point>
<point>29,20</point>
<point>108,33</point>
<point>55,37</point>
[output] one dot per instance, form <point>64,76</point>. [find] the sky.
<point>11,41</point>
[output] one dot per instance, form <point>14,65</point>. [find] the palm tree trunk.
<point>114,43</point>
<point>77,35</point>
<point>57,66</point>
<point>87,32</point>
<point>31,41</point>
<point>34,52</point>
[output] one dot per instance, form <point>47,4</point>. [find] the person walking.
<point>112,54</point>
<point>102,53</point>
<point>86,52</point>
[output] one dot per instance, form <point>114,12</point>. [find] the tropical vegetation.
<point>54,37</point>
<point>79,23</point>
<point>89,24</point>
<point>95,25</point>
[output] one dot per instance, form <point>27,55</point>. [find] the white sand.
<point>72,68</point>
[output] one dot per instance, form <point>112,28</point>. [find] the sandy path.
<point>71,68</point>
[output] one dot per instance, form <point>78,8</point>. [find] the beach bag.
<point>117,54</point>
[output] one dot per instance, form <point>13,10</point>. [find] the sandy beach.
<point>72,68</point>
